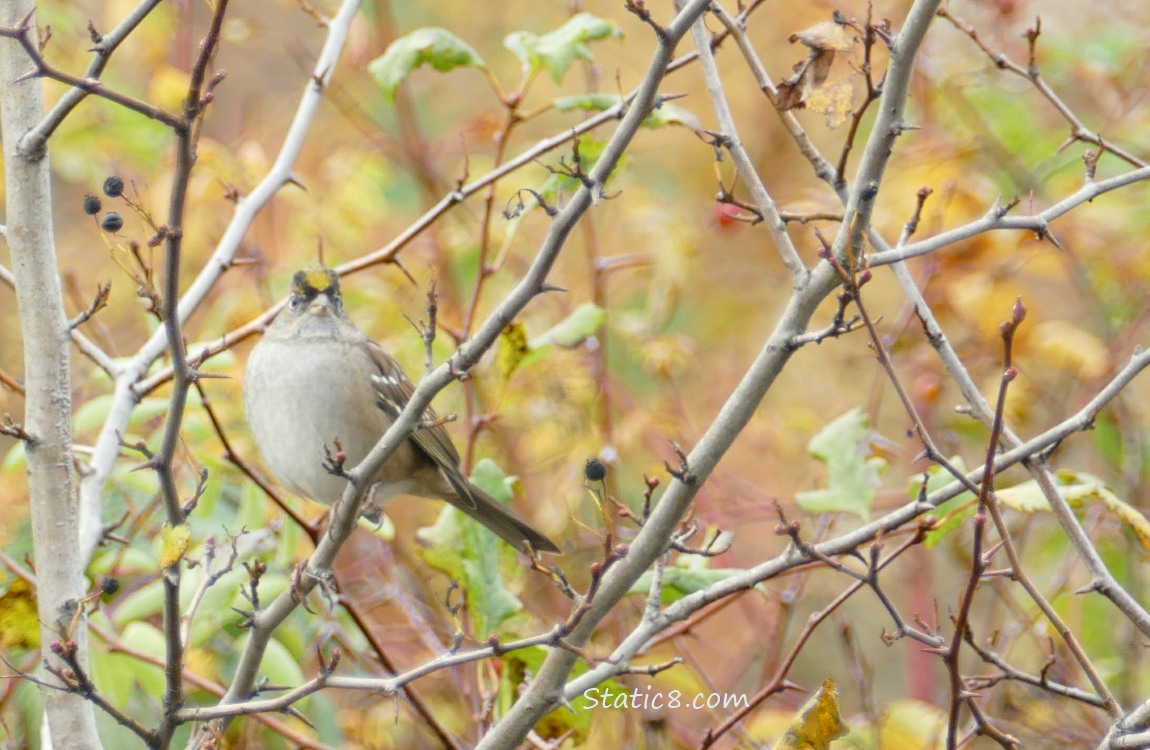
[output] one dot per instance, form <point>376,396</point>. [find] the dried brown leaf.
<point>827,36</point>
<point>823,40</point>
<point>834,101</point>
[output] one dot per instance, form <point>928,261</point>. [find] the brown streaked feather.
<point>394,389</point>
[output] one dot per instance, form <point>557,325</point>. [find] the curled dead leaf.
<point>823,40</point>
<point>817,723</point>
<point>827,36</point>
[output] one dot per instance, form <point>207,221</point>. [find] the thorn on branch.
<point>30,75</point>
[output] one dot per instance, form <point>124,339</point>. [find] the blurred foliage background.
<point>690,294</point>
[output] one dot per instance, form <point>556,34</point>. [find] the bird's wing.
<point>393,389</point>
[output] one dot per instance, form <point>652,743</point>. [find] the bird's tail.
<point>502,521</point>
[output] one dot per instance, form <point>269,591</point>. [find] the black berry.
<point>113,187</point>
<point>91,205</point>
<point>595,470</point>
<point>112,222</point>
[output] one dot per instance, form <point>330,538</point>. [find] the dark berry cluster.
<point>112,221</point>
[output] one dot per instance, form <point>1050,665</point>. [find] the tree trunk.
<point>48,404</point>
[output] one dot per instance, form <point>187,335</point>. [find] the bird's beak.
<point>321,305</point>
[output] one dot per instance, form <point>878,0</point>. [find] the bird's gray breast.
<point>303,396</point>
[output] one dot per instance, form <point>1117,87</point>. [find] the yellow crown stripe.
<point>312,281</point>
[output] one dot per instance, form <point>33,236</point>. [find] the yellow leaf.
<point>1078,488</point>
<point>19,623</point>
<point>834,101</point>
<point>175,544</point>
<point>817,723</point>
<point>168,87</point>
<point>512,348</point>
<point>912,725</point>
<point>666,356</point>
<point>1128,515</point>
<point>1067,347</point>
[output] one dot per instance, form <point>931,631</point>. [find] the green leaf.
<point>469,553</point>
<point>90,417</point>
<point>278,665</point>
<point>573,330</point>
<point>132,559</point>
<point>432,46</point>
<point>17,458</point>
<point>490,478</point>
<point>686,576</point>
<point>128,671</point>
<point>588,102</point>
<point>954,511</point>
<point>662,115</point>
<point>141,604</point>
<point>573,719</point>
<point>1108,439</point>
<point>221,362</point>
<point>852,475</point>
<point>215,609</point>
<point>557,50</point>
